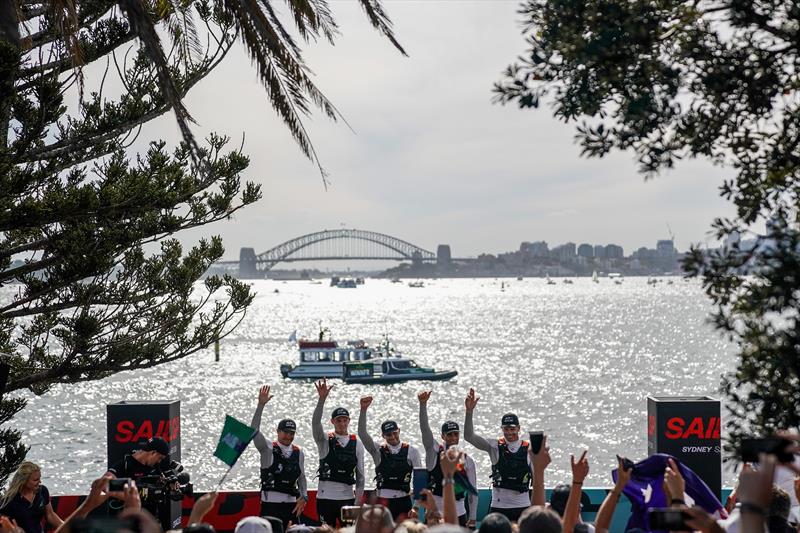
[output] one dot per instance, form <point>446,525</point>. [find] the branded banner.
<point>688,428</point>
<point>131,424</point>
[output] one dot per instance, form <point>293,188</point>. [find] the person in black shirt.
<point>27,501</point>
<point>145,461</point>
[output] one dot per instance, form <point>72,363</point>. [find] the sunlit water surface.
<point>577,361</point>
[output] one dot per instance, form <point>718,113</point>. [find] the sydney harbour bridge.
<point>336,245</point>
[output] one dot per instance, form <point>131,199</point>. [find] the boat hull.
<point>399,378</point>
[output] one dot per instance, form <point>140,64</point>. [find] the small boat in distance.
<point>594,277</point>
<point>416,284</point>
<point>347,283</point>
<point>548,280</point>
<point>356,362</point>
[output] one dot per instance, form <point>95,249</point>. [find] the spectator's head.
<point>253,524</point>
<point>538,519</point>
<point>275,523</point>
<point>340,418</point>
<point>781,504</point>
<point>27,477</point>
<point>495,523</point>
<point>153,451</point>
<point>411,526</point>
<point>374,519</point>
<point>391,432</point>
<point>451,433</point>
<point>558,498</point>
<point>510,425</point>
<point>286,431</point>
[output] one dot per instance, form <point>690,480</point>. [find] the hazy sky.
<point>432,160</point>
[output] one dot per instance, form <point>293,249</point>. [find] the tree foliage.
<point>669,80</point>
<point>91,280</point>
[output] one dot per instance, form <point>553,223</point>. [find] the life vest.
<point>511,471</point>
<point>283,473</point>
<point>340,463</point>
<point>435,477</point>
<point>394,472</point>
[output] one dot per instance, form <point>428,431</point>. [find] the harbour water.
<point>577,361</point>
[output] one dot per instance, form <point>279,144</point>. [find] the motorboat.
<point>416,284</point>
<point>347,283</point>
<point>356,362</point>
<point>359,281</point>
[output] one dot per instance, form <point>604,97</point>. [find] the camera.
<point>171,484</point>
<point>669,518</point>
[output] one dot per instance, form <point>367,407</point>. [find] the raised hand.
<point>323,389</point>
<point>263,395</point>
<point>674,481</point>
<point>580,468</point>
<point>449,460</point>
<point>132,499</point>
<point>424,396</point>
<point>366,401</point>
<point>542,459</point>
<point>202,506</point>
<point>623,476</point>
<point>98,493</point>
<point>471,400</point>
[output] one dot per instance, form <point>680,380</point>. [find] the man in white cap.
<point>341,464</point>
<point>253,524</point>
<point>450,437</point>
<point>284,491</point>
<point>394,463</point>
<point>511,466</point>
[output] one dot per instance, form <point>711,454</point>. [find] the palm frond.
<point>380,21</point>
<point>142,25</point>
<point>313,18</point>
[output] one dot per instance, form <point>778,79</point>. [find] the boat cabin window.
<point>404,364</point>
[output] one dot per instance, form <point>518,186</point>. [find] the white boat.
<point>325,358</point>
<point>356,362</point>
<point>594,277</point>
<point>549,281</point>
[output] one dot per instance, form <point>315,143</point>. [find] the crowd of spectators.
<point>756,505</point>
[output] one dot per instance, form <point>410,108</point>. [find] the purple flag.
<point>644,490</point>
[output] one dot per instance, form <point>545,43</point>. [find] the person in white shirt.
<point>341,460</point>
<point>511,466</point>
<point>284,488</point>
<point>450,437</point>
<point>394,463</point>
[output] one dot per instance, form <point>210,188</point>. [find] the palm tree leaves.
<point>380,21</point>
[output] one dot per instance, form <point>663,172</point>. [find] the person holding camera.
<point>511,466</point>
<point>394,463</point>
<point>341,464</point>
<point>284,491</point>
<point>450,437</point>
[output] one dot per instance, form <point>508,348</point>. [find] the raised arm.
<point>263,445</point>
<point>424,425</point>
<point>449,460</point>
<point>469,430</point>
<point>363,434</point>
<point>323,389</point>
<point>539,461</point>
<point>580,469</point>
<point>606,512</point>
<point>359,471</point>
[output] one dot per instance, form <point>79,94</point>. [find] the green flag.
<point>235,438</point>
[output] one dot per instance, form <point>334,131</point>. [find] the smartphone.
<point>670,519</point>
<point>627,464</point>
<point>118,484</point>
<point>537,438</point>
<point>349,513</point>
<point>419,481</point>
<point>751,448</point>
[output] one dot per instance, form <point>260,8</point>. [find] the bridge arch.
<point>404,250</point>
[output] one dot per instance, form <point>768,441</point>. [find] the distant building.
<point>585,250</point>
<point>599,251</point>
<point>538,249</point>
<point>443,255</point>
<point>614,251</point>
<point>665,248</point>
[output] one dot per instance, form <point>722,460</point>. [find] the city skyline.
<point>431,155</point>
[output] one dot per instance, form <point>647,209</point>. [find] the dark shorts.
<point>281,511</point>
<point>512,513</point>
<point>399,507</point>
<point>330,510</point>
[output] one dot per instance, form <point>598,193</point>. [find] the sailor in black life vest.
<point>394,463</point>
<point>341,465</point>
<point>511,464</point>
<point>450,437</point>
<point>284,491</point>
